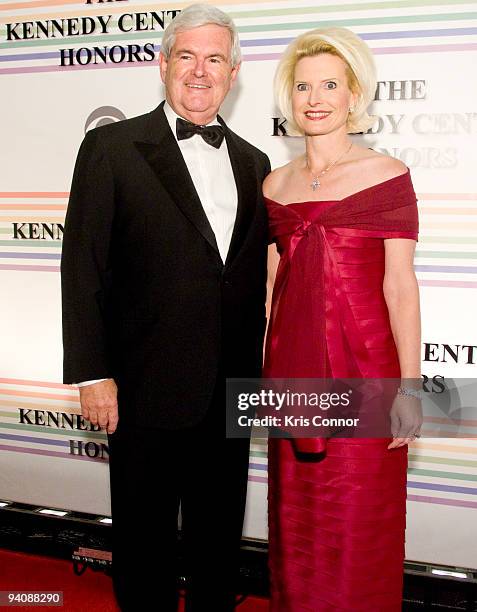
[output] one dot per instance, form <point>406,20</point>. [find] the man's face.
<point>199,74</point>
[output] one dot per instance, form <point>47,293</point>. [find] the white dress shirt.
<point>212,175</point>
<point>213,178</point>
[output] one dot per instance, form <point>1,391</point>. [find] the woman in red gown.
<point>345,305</point>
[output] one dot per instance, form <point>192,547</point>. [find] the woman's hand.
<point>406,419</point>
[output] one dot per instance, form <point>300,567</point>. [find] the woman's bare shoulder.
<point>382,167</point>
<point>277,179</point>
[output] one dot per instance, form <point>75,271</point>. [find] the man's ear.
<point>163,66</point>
<point>234,74</point>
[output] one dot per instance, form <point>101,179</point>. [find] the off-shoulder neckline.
<point>348,197</point>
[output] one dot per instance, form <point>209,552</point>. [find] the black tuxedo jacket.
<point>146,298</point>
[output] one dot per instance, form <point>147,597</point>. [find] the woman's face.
<point>321,96</point>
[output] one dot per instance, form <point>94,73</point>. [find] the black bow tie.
<point>212,134</point>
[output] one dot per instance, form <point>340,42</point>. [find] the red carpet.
<point>90,592</point>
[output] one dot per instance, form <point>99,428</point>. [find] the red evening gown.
<point>336,523</point>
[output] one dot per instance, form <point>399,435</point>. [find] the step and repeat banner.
<point>66,67</point>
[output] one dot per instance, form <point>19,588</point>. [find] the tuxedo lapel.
<point>161,151</point>
<point>243,168</point>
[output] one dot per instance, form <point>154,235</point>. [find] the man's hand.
<point>99,404</point>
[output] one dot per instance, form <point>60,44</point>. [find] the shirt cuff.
<point>85,383</point>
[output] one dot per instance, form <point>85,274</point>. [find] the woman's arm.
<point>401,293</point>
<point>402,298</point>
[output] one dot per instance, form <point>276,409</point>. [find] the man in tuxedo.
<point>163,280</point>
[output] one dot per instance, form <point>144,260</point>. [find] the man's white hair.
<point>198,15</point>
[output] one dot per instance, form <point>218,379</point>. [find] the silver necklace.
<point>315,183</point>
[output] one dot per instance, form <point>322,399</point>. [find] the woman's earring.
<point>351,109</point>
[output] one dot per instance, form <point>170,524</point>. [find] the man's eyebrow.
<point>189,52</point>
<point>217,54</point>
<point>179,51</point>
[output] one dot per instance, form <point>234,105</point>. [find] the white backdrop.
<point>44,109</point>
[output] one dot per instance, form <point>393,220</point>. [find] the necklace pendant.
<point>315,184</point>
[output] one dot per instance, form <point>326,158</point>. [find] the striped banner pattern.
<point>446,255</point>
<point>40,418</point>
<point>389,27</point>
<point>440,471</point>
<point>30,230</point>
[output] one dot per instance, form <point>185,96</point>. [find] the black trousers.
<point>152,473</point>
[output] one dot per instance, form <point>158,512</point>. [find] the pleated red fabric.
<point>337,521</point>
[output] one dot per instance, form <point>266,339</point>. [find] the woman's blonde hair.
<point>360,70</point>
